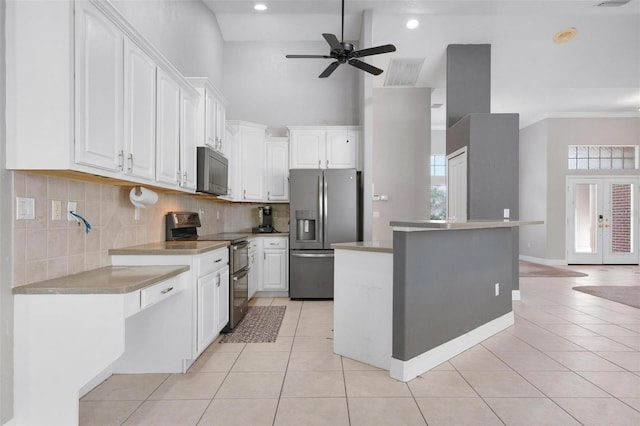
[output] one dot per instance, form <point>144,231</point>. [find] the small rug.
<point>528,269</point>
<point>260,325</point>
<point>628,295</point>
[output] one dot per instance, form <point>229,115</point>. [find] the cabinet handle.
<point>218,280</point>
<point>184,177</point>
<point>327,163</point>
<point>121,160</point>
<point>165,291</point>
<point>178,177</point>
<point>244,194</point>
<point>130,158</point>
<point>268,195</point>
<point>319,163</point>
<point>217,260</point>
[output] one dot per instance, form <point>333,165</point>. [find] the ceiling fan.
<point>344,53</point>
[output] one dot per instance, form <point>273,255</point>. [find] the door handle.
<point>315,255</point>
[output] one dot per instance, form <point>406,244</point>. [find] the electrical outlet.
<point>25,208</point>
<point>497,289</point>
<point>72,206</point>
<point>56,210</point>
<point>506,213</point>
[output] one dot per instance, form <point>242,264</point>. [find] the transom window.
<point>603,157</point>
<point>438,165</point>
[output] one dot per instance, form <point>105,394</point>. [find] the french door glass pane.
<point>585,218</point>
<point>622,218</point>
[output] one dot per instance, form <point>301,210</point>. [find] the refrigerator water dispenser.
<point>305,225</point>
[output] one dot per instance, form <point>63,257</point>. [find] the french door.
<point>602,220</point>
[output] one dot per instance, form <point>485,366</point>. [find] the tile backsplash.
<point>45,248</point>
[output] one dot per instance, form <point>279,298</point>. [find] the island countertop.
<point>434,225</point>
<point>171,247</point>
<point>106,280</point>
<point>372,246</point>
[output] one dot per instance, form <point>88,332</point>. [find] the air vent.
<point>403,71</point>
<point>613,3</point>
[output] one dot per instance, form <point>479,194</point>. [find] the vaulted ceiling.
<point>597,73</point>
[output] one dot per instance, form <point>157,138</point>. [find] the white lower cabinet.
<point>275,261</point>
<point>255,266</point>
<point>208,286</point>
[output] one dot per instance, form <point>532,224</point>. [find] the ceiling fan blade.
<point>387,48</point>
<point>365,67</point>
<point>331,68</point>
<point>307,56</point>
<point>333,41</point>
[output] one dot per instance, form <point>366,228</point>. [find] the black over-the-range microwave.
<point>212,171</point>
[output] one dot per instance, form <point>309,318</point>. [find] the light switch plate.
<point>56,210</point>
<point>25,208</point>
<point>72,206</point>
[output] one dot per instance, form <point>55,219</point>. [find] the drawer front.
<point>274,243</point>
<point>160,291</point>
<point>212,261</point>
<point>253,244</point>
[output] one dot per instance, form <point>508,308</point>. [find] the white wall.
<point>265,87</point>
<point>186,32</point>
<point>543,173</point>
<point>6,298</point>
<point>401,149</point>
<point>533,189</point>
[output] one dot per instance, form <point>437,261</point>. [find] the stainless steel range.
<point>182,226</point>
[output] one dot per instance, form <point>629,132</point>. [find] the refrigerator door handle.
<point>311,255</point>
<point>325,215</point>
<point>320,200</point>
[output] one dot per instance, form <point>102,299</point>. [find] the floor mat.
<point>528,269</point>
<point>260,325</point>
<point>628,295</point>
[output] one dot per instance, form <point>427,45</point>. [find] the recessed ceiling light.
<point>565,35</point>
<point>260,7</point>
<point>412,24</point>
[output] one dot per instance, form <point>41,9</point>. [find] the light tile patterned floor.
<point>570,359</point>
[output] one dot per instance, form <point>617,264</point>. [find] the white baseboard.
<point>548,262</point>
<point>101,377</point>
<point>515,295</point>
<point>407,370</point>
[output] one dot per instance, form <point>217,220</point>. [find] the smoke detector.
<point>565,35</point>
<point>403,71</point>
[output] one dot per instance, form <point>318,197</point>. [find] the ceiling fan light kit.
<point>344,53</point>
<point>565,35</point>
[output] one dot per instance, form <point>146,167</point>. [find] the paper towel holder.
<point>142,197</point>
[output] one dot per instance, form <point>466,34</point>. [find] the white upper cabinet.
<point>106,102</point>
<point>307,149</point>
<point>188,138</point>
<point>252,152</point>
<point>277,169</point>
<point>168,130</point>
<point>342,149</point>
<point>99,90</point>
<point>212,111</point>
<point>139,112</point>
<point>326,147</point>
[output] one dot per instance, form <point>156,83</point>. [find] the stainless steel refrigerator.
<point>324,209</point>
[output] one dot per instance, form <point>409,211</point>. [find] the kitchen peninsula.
<point>438,289</point>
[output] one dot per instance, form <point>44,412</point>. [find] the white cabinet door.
<point>188,139</point>
<point>277,169</point>
<point>221,119</point>
<point>168,130</point>
<point>252,148</point>
<point>222,299</point>
<point>139,112</point>
<point>206,310</point>
<point>99,90</point>
<point>255,266</point>
<point>307,149</point>
<point>275,270</point>
<point>342,149</point>
<point>211,116</point>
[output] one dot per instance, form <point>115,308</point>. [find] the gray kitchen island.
<point>447,287</point>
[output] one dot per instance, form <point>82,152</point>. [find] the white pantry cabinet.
<point>91,82</point>
<point>277,169</point>
<point>324,147</point>
<point>247,161</point>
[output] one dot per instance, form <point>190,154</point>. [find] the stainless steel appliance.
<point>212,171</point>
<point>265,221</point>
<point>324,209</point>
<point>181,226</point>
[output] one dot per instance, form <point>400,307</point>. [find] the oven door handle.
<point>241,245</point>
<point>240,275</point>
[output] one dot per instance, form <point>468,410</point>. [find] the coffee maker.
<point>265,221</point>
